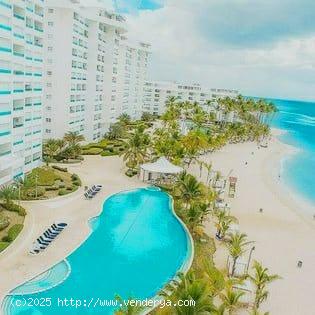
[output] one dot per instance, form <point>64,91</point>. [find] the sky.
<point>261,47</point>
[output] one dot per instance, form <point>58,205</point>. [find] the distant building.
<point>156,95</point>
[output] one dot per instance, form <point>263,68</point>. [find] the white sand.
<point>284,233</point>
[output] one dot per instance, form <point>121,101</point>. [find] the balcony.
<point>5,27</point>
<point>19,17</point>
<point>5,92</point>
<point>18,54</point>
<point>18,72</point>
<point>5,4</point>
<point>5,49</point>
<point>5,71</point>
<point>18,90</point>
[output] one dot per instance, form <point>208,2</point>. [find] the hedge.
<point>3,245</point>
<point>14,231</point>
<point>59,168</point>
<point>15,208</point>
<point>92,151</point>
<point>107,153</point>
<point>4,222</point>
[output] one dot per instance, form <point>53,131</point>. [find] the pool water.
<point>136,247</point>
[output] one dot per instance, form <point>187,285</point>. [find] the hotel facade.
<point>21,86</point>
<point>93,73</point>
<point>156,95</point>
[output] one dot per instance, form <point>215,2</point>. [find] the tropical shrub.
<point>62,192</point>
<point>15,208</point>
<point>92,151</point>
<point>3,245</point>
<point>4,222</point>
<point>59,168</point>
<point>108,153</point>
<point>13,232</point>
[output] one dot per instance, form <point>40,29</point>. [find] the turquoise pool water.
<point>136,247</point>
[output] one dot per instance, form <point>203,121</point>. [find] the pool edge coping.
<point>184,268</point>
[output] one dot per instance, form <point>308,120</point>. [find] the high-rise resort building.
<point>21,70</point>
<point>93,73</point>
<point>156,95</point>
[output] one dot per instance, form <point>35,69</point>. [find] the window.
<point>50,10</point>
<point>50,23</point>
<point>49,48</point>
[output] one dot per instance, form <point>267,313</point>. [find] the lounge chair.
<point>62,224</point>
<point>49,236</point>
<point>45,239</point>
<point>92,192</point>
<point>44,244</point>
<point>56,228</point>
<point>88,196</point>
<point>96,188</point>
<point>55,233</point>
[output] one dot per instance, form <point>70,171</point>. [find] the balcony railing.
<point>20,17</point>
<point>18,54</point>
<point>5,153</point>
<point>5,27</point>
<point>7,71</point>
<point>4,133</point>
<point>5,4</point>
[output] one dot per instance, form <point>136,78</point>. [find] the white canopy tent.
<point>160,166</point>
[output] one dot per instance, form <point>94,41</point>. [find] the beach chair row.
<point>47,237</point>
<point>91,192</point>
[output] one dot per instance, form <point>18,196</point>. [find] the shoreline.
<point>283,233</point>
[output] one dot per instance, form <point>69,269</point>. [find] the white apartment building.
<point>92,73</point>
<point>156,95</point>
<point>21,70</point>
<point>129,77</point>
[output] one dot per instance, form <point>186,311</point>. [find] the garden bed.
<point>49,182</point>
<point>15,222</point>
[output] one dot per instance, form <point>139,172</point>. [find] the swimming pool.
<point>136,247</point>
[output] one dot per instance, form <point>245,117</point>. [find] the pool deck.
<point>17,265</point>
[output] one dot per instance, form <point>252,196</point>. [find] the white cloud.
<point>185,49</point>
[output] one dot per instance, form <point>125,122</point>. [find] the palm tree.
<point>136,149</point>
<point>189,288</point>
<point>51,148</point>
<point>190,189</point>
<point>73,138</point>
<point>124,119</point>
<point>260,279</point>
<point>236,245</point>
<point>194,216</point>
<point>128,308</point>
<point>223,222</point>
<point>214,277</point>
<point>8,194</point>
<point>115,131</point>
<point>231,299</point>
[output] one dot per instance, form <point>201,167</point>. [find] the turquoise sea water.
<point>136,247</point>
<point>298,119</point>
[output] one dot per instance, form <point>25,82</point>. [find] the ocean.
<point>297,118</point>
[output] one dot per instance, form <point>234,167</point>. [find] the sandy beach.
<point>283,233</point>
